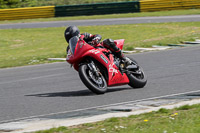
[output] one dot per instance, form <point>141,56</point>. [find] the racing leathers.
<point>107,43</point>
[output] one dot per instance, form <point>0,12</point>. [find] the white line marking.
<point>46,76</point>
<point>36,65</point>
<point>37,116</point>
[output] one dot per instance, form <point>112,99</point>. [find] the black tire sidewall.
<point>134,81</point>
<point>88,83</point>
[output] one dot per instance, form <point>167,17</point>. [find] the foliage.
<point>11,3</point>
<point>33,3</point>
<point>185,107</point>
<point>163,110</point>
<point>54,130</point>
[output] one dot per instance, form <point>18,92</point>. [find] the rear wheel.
<point>137,76</point>
<point>96,84</point>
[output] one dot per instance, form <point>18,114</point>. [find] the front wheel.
<point>137,76</point>
<point>96,84</point>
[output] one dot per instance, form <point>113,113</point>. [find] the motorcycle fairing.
<point>80,49</point>
<point>114,75</point>
<point>83,50</point>
<point>119,43</point>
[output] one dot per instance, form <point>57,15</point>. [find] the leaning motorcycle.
<point>98,68</point>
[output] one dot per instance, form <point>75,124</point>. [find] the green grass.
<point>142,14</point>
<point>20,47</point>
<point>170,121</point>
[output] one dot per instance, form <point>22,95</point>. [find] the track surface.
<point>114,21</point>
<point>51,88</point>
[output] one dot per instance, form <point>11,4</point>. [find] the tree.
<point>9,3</point>
<point>2,4</point>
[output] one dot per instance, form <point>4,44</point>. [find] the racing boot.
<point>109,43</point>
<point>126,60</point>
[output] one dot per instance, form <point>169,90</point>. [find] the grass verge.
<point>20,47</point>
<point>180,120</point>
<point>125,15</point>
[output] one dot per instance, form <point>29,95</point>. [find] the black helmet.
<point>70,32</point>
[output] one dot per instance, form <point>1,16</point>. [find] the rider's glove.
<point>95,40</point>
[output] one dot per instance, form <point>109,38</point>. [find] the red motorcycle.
<point>99,68</point>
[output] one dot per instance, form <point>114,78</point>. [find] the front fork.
<point>93,68</point>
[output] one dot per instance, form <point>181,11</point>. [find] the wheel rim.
<point>96,80</point>
<point>139,74</point>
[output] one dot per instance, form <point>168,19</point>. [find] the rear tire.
<point>98,86</point>
<point>137,80</point>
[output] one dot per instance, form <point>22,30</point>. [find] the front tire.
<point>96,84</point>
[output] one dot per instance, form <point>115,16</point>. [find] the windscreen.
<point>72,43</point>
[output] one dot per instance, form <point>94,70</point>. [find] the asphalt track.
<point>52,88</point>
<point>113,21</point>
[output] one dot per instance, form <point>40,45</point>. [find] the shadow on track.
<point>75,93</point>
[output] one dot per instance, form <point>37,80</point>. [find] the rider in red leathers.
<point>94,40</point>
